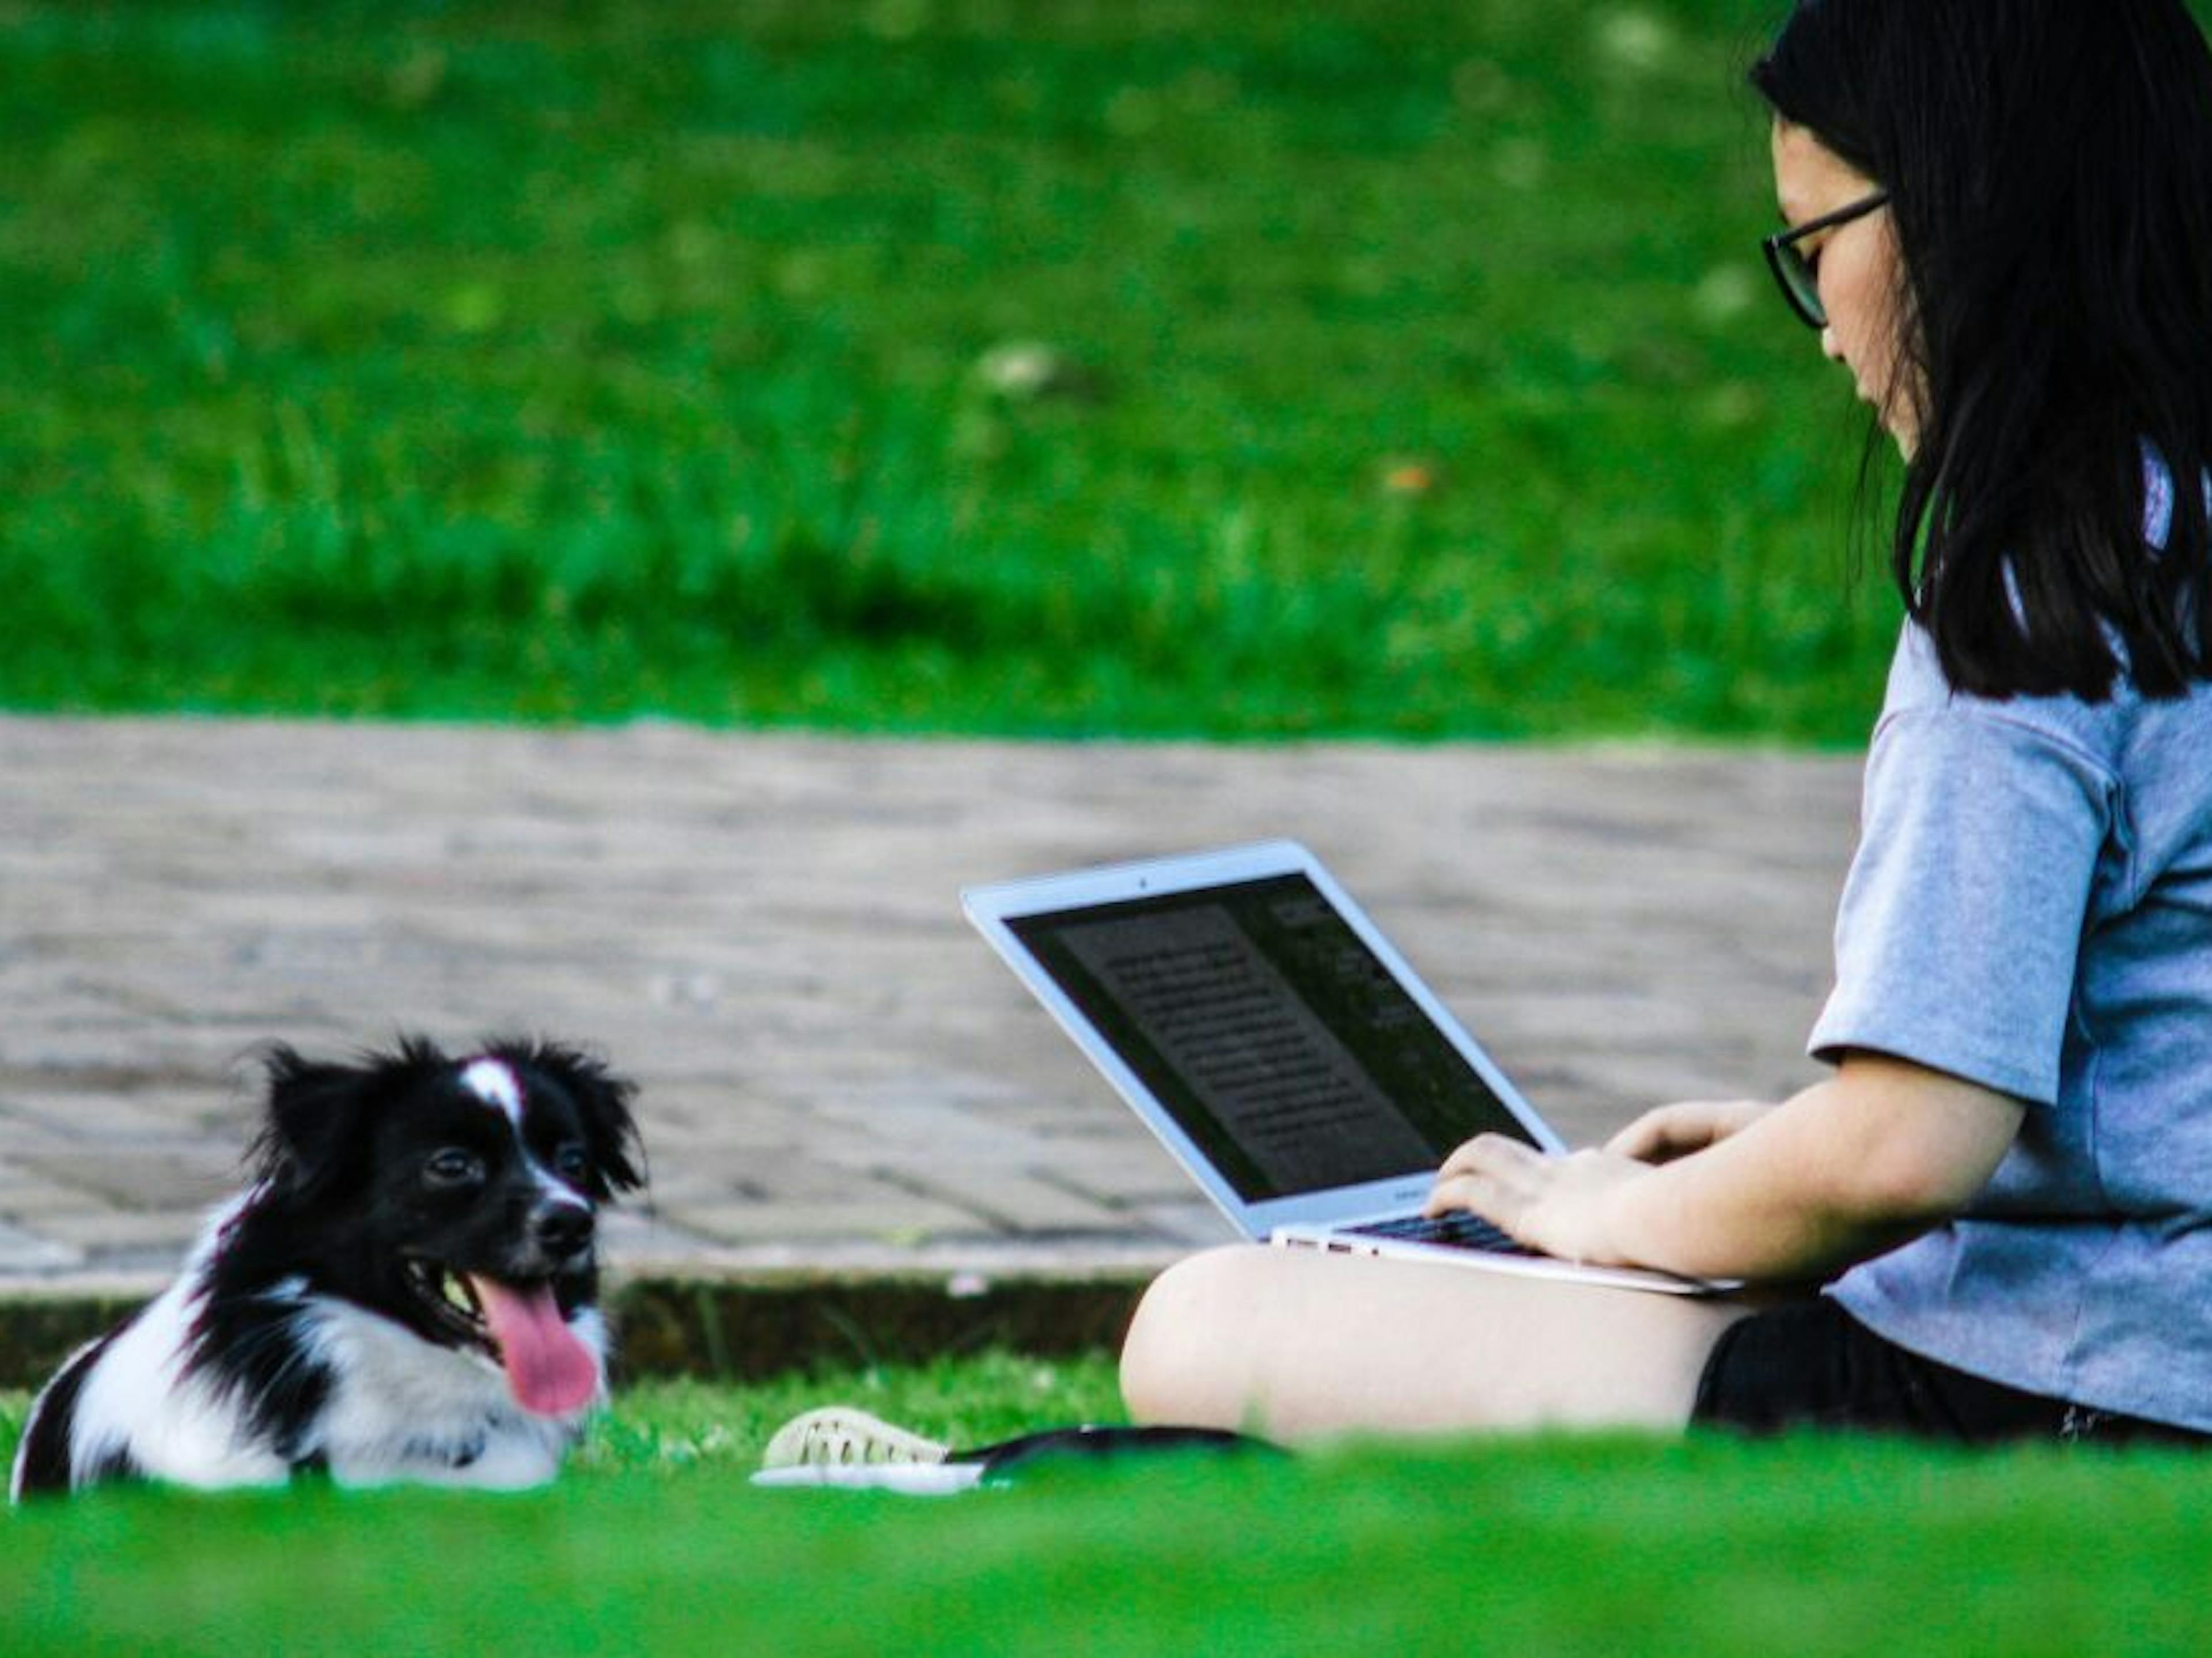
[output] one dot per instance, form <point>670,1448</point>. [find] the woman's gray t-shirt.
<point>2031,909</point>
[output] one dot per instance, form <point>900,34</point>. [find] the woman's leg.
<point>1295,1344</point>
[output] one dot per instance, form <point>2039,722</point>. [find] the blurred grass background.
<point>1195,366</point>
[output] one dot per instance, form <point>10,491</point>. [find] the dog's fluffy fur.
<point>406,1290</point>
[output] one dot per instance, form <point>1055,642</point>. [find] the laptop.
<point>1280,1048</point>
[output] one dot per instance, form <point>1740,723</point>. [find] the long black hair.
<point>2050,169</point>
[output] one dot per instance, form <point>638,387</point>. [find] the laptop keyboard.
<point>1457,1230</point>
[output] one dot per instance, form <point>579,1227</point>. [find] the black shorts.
<point>1811,1365</point>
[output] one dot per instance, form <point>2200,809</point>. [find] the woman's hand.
<point>1669,1132</point>
<point>1558,1204</point>
<point>1848,1168</point>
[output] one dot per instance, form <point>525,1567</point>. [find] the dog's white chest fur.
<point>402,1409</point>
<point>398,1408</point>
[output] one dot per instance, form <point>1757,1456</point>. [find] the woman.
<point>1997,215</point>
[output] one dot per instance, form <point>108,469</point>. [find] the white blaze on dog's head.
<point>494,1083</point>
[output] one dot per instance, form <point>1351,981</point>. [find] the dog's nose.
<point>564,1231</point>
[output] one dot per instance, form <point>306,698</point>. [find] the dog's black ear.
<point>602,1099</point>
<point>315,1138</point>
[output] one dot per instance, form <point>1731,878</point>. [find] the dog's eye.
<point>571,1163</point>
<point>454,1167</point>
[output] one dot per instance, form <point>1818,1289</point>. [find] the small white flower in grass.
<point>1028,371</point>
<point>1725,293</point>
<point>1634,39</point>
<point>1019,368</point>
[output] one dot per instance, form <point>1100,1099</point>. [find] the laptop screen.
<point>1262,1021</point>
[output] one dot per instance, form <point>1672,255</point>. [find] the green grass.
<point>654,1543</point>
<point>1409,368</point>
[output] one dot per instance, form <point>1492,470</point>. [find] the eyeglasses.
<point>1798,276</point>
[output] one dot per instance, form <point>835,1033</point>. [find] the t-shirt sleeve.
<point>1962,920</point>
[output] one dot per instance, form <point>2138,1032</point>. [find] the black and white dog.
<point>406,1290</point>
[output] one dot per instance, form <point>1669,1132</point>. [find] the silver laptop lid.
<point>1260,1025</point>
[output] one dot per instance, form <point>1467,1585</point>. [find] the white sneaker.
<point>837,1436</point>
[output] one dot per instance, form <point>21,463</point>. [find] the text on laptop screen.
<point>1264,1024</point>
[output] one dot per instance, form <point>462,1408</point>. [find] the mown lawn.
<point>654,1543</point>
<point>1400,367</point>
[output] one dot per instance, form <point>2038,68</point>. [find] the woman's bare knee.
<point>1181,1362</point>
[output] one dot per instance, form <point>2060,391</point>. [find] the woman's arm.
<point>1851,1167</point>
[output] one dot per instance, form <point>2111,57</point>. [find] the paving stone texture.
<point>764,931</point>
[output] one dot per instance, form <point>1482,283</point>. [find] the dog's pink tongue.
<point>548,1371</point>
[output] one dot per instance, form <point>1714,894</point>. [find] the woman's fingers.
<point>1562,1205</point>
<point>1491,1175</point>
<point>1486,1152</point>
<point>1652,1137</point>
<point>1668,1132</point>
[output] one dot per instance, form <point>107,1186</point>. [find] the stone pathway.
<point>764,931</point>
